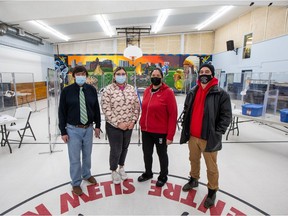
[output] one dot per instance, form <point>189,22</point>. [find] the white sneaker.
<point>116,177</point>
<point>122,173</point>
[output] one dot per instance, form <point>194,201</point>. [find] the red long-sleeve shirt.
<point>159,111</point>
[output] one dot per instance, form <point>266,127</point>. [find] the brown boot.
<point>91,180</point>
<point>77,190</point>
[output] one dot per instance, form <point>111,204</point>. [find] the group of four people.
<point>206,116</point>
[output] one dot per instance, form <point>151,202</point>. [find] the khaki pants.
<point>196,147</point>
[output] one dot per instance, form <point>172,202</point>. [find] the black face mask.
<point>204,78</point>
<point>155,81</point>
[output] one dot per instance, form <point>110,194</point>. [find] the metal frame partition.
<point>17,89</point>
<point>53,94</point>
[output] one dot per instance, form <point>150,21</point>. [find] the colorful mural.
<point>180,71</point>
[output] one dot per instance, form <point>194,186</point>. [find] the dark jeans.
<point>148,141</point>
<point>119,141</point>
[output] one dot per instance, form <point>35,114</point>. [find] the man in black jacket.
<point>207,114</point>
<point>78,110</point>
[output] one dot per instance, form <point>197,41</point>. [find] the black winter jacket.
<point>216,119</point>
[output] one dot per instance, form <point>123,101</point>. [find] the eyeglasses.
<point>120,74</point>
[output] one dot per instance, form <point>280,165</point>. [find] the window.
<point>247,46</point>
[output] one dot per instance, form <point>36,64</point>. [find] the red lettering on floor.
<point>107,188</point>
<point>190,199</point>
<point>94,192</point>
<point>214,210</point>
<point>172,193</point>
<point>118,189</point>
<point>128,184</point>
<point>74,201</point>
<point>236,211</point>
<point>156,191</point>
<point>41,210</point>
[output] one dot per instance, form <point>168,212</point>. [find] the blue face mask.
<point>120,79</point>
<point>80,80</point>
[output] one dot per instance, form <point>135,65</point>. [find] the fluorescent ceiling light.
<point>215,16</point>
<point>104,23</point>
<point>160,20</point>
<point>42,25</point>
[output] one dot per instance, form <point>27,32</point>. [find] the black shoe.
<point>144,177</point>
<point>191,184</point>
<point>210,199</point>
<point>161,181</point>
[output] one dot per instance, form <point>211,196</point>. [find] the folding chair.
<point>22,114</point>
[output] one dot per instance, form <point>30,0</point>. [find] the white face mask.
<point>120,79</point>
<point>80,80</point>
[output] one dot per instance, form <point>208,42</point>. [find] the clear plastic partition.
<point>131,77</point>
<point>7,91</point>
<point>100,81</point>
<point>138,80</point>
<point>222,77</point>
<point>279,81</point>
<point>254,87</point>
<point>107,79</point>
<point>2,94</point>
<point>53,94</point>
<point>267,89</point>
<point>234,86</point>
<point>103,80</point>
<point>25,93</point>
<point>142,80</point>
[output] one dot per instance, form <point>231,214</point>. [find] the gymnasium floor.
<point>253,177</point>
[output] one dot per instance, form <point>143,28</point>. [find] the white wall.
<point>22,57</point>
<point>87,47</point>
<point>267,56</point>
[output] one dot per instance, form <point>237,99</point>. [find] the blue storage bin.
<point>284,115</point>
<point>252,109</point>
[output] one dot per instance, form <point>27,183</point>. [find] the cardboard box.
<point>284,115</point>
<point>252,109</point>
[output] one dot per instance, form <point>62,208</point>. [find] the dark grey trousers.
<point>119,141</point>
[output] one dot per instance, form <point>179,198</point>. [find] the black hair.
<point>79,69</point>
<point>158,69</point>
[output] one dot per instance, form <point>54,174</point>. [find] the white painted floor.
<point>253,177</point>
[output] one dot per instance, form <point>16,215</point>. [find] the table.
<point>5,119</point>
<point>268,119</point>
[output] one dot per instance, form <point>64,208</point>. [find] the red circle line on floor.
<point>191,202</point>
